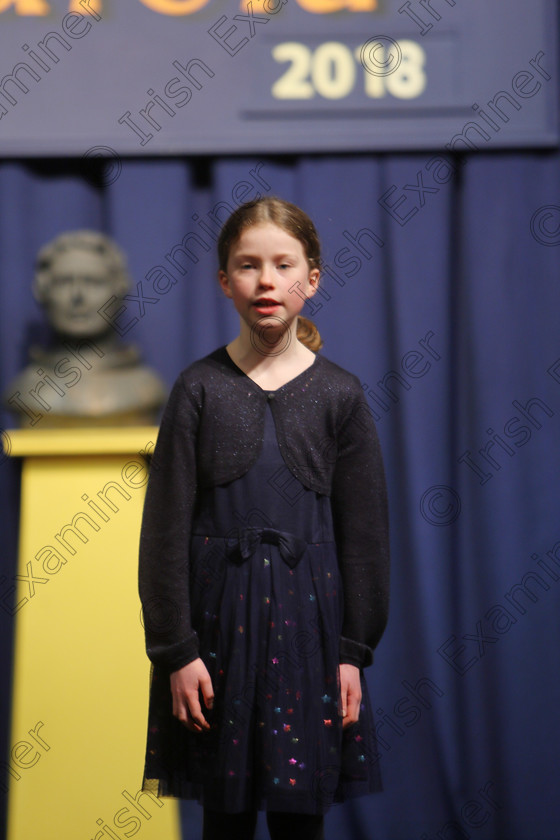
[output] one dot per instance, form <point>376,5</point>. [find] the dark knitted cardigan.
<point>211,433</point>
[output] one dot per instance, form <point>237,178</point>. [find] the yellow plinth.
<point>81,673</point>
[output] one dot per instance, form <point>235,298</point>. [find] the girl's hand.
<point>350,693</point>
<point>186,683</point>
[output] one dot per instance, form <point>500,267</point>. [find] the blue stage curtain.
<point>445,303</point>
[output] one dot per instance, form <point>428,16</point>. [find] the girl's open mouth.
<point>266,305</point>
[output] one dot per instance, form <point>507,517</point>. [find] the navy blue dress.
<point>267,607</point>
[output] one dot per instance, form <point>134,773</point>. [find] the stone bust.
<point>87,376</point>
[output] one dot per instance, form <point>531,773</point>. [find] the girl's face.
<point>268,275</point>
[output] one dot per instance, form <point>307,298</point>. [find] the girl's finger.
<point>195,712</point>
<point>343,701</point>
<point>207,692</point>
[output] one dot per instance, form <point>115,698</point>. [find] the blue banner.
<point>136,77</point>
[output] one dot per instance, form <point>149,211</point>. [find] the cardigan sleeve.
<point>360,516</point>
<point>165,535</point>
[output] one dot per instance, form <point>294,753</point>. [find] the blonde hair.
<point>289,218</point>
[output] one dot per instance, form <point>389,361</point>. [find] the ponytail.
<point>308,334</point>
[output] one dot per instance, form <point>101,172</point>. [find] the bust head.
<point>76,274</point>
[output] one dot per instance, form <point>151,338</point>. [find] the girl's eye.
<point>284,265</point>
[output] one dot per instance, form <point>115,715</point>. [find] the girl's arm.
<point>165,536</point>
<point>359,505</point>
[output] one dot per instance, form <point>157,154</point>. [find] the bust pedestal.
<point>81,677</point>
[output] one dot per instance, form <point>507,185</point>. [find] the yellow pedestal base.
<point>81,674</point>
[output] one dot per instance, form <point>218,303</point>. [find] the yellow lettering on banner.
<point>26,7</point>
<point>175,7</point>
<point>325,7</point>
<point>81,6</point>
<point>362,5</point>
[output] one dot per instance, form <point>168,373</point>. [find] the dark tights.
<point>294,826</point>
<point>218,826</point>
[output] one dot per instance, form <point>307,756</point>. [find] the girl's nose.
<point>266,277</point>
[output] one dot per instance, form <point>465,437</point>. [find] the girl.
<point>264,557</point>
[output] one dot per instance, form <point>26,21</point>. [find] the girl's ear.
<point>224,283</point>
<point>314,275</point>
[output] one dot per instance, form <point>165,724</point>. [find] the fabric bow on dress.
<point>242,547</point>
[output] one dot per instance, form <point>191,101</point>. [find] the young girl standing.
<point>264,557</point>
